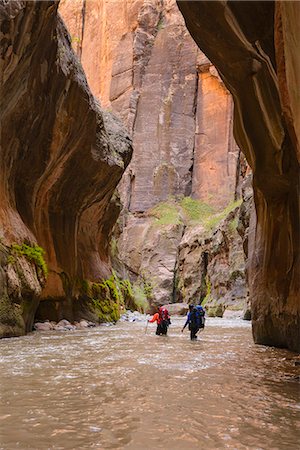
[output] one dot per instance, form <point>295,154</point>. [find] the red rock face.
<point>147,69</point>
<point>287,38</point>
<point>216,155</point>
<point>244,54</point>
<point>61,157</point>
<point>96,37</point>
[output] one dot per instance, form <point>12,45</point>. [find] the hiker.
<point>195,320</point>
<point>163,321</point>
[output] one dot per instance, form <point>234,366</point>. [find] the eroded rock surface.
<point>244,53</point>
<point>211,267</point>
<point>147,69</point>
<point>61,160</point>
<point>151,251</point>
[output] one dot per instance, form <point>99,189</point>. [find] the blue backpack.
<point>197,317</point>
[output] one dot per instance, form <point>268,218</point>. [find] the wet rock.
<point>130,316</point>
<point>214,310</point>
<point>177,308</point>
<point>59,328</point>
<point>43,326</point>
<point>247,314</point>
<point>63,323</point>
<point>69,327</point>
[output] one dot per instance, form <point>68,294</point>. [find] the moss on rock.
<point>33,253</point>
<point>11,320</point>
<point>108,298</point>
<point>215,310</point>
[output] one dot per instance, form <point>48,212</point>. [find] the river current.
<point>121,388</point>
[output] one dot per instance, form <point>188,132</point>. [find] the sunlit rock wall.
<point>147,69</point>
<point>261,74</point>
<point>216,171</point>
<point>61,159</point>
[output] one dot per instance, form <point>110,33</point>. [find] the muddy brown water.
<point>119,388</point>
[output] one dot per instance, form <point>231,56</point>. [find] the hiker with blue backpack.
<point>195,320</point>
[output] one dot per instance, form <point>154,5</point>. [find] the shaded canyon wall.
<point>61,159</point>
<point>261,73</point>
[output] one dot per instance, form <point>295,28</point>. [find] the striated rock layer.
<point>238,37</point>
<point>61,159</point>
<point>145,66</point>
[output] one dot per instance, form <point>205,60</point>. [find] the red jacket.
<point>160,316</point>
<point>156,318</point>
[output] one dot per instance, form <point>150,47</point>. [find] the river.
<point>121,388</point>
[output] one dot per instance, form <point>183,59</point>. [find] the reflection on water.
<point>119,388</point>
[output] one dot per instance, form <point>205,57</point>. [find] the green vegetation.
<point>140,296</point>
<point>213,221</point>
<point>103,298</point>
<point>233,224</point>
<point>109,297</point>
<point>10,313</point>
<point>166,213</point>
<point>195,210</point>
<point>113,247</point>
<point>208,291</point>
<point>11,259</point>
<point>215,310</point>
<point>191,212</point>
<point>75,39</point>
<point>34,254</point>
<point>160,25</point>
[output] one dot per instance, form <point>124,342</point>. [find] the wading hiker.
<point>195,320</point>
<point>163,320</point>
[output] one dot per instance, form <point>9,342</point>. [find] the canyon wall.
<point>61,160</point>
<point>146,68</point>
<point>62,157</point>
<point>261,73</point>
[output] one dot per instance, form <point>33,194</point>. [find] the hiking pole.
<point>146,327</point>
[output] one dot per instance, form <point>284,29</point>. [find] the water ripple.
<point>120,388</point>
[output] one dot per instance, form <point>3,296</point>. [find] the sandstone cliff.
<point>267,130</point>
<point>148,70</point>
<point>61,159</point>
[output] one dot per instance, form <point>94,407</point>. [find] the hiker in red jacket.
<point>163,321</point>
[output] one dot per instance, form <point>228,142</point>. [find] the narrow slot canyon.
<point>149,166</point>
